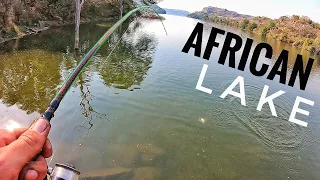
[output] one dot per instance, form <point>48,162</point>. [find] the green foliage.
<point>31,12</point>
<point>253,26</point>
<point>92,9</point>
<point>271,25</point>
<point>298,31</point>
<point>244,24</point>
<point>264,30</point>
<point>224,20</point>
<point>199,15</point>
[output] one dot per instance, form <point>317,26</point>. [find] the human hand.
<point>18,147</point>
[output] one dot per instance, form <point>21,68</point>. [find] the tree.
<point>8,12</point>
<point>253,26</point>
<point>79,4</point>
<point>264,30</point>
<point>244,24</point>
<point>9,15</point>
<point>271,25</point>
<point>121,8</point>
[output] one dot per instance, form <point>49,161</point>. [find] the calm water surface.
<point>135,114</point>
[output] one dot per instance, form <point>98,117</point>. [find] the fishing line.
<point>53,106</point>
<point>63,133</point>
<point>116,44</point>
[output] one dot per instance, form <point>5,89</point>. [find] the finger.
<point>29,144</point>
<point>17,132</point>
<point>8,137</point>
<point>47,149</point>
<point>35,170</point>
<point>31,175</point>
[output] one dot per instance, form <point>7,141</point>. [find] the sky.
<point>268,8</point>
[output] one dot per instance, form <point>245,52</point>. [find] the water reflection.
<point>88,111</point>
<point>32,68</point>
<point>29,78</point>
<point>129,63</point>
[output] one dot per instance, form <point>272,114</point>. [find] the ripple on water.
<point>277,133</point>
<point>219,116</point>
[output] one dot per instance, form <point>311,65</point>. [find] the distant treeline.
<point>299,31</point>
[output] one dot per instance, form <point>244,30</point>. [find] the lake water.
<point>135,113</point>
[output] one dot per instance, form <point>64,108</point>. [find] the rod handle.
<point>53,106</point>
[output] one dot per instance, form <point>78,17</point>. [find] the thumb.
<point>29,144</point>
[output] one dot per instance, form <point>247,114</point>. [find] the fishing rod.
<point>65,171</point>
<point>53,106</point>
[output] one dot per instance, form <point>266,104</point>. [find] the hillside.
<point>214,11</point>
<point>297,31</point>
<point>177,12</point>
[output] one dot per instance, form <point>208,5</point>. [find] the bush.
<point>264,30</point>
<point>271,25</point>
<point>244,24</point>
<point>253,26</point>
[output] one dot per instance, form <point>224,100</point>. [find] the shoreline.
<point>30,31</point>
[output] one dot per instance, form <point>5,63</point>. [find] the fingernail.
<point>31,174</point>
<point>40,125</point>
